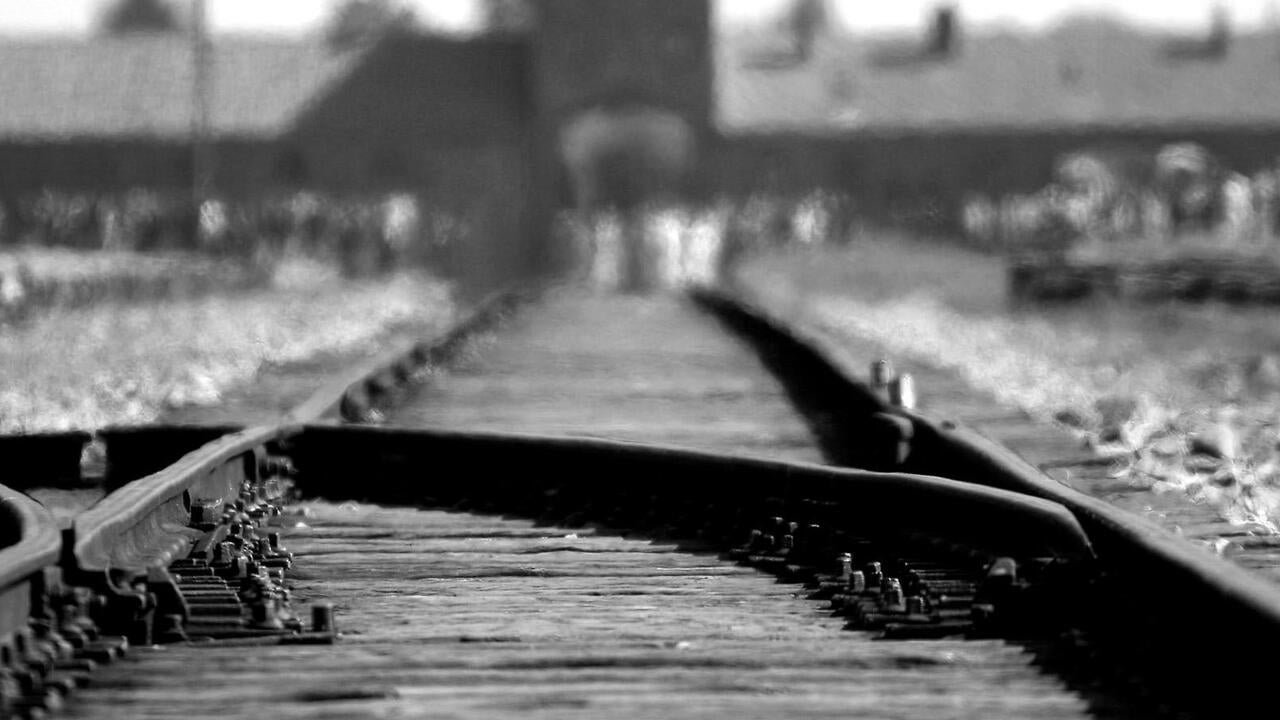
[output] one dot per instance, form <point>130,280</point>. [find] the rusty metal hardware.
<point>873,573</point>
<point>881,374</point>
<point>322,618</point>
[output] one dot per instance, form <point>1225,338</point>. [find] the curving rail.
<point>513,472</point>
<point>37,666</point>
<point>29,543</point>
<point>1163,602</point>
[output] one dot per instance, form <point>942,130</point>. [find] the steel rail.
<point>142,518</point>
<point>29,543</point>
<point>943,447</point>
<point>972,457</point>
<point>1220,607</point>
<point>406,465</point>
<point>173,487</point>
<point>918,477</point>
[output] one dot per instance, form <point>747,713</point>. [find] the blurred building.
<point>912,124</point>
<point>111,112</point>
<point>466,124</point>
<point>908,125</point>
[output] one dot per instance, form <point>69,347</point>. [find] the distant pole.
<point>200,169</point>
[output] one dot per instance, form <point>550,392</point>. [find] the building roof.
<point>142,86</point>
<point>1087,75</point>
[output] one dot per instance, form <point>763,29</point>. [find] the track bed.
<point>617,505</point>
<point>457,615</point>
<point>641,368</point>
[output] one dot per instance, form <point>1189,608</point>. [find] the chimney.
<point>1212,46</point>
<point>944,36</point>
<point>1219,32</point>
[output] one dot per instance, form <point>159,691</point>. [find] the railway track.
<point>610,504</point>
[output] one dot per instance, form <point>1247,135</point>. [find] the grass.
<point>64,264</point>
<point>114,362</point>
<point>33,279</point>
<point>1183,396</point>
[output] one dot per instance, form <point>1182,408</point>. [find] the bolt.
<point>236,568</point>
<point>223,552</point>
<point>857,582</point>
<point>891,594</point>
<point>881,373</point>
<point>277,549</point>
<point>846,566</point>
<point>874,574</point>
<point>322,618</point>
<point>902,392</point>
<point>264,615</point>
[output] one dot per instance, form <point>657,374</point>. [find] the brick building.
<point>910,125</point>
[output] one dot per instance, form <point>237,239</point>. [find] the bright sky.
<point>294,16</point>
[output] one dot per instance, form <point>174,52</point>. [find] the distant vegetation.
<point>113,363</point>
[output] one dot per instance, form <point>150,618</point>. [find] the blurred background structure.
<point>151,111</point>
<point>460,148</point>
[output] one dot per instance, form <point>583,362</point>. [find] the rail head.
<point>133,519</point>
<point>1003,521</point>
<point>30,542</point>
<point>29,534</point>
